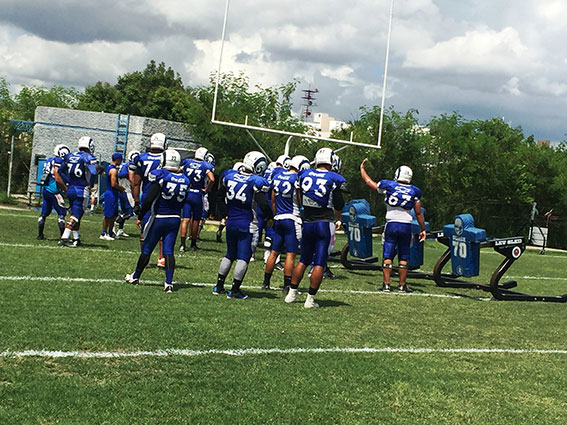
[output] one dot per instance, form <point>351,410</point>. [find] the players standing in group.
<point>287,221</point>
<point>200,173</point>
<point>240,192</point>
<point>53,186</point>
<point>400,197</point>
<point>164,197</point>
<point>78,168</point>
<point>322,200</point>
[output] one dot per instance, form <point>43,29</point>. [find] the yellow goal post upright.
<point>248,127</point>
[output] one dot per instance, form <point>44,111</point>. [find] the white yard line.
<point>265,351</point>
<point>206,284</point>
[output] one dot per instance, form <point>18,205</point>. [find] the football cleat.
<point>404,288</point>
<point>182,248</point>
<point>236,294</point>
<point>265,287</point>
<point>131,279</point>
<point>168,288</point>
<point>40,237</point>
<point>121,234</point>
<point>310,302</point>
<point>291,296</point>
<point>161,262</point>
<point>68,243</point>
<point>219,290</point>
<point>385,287</point>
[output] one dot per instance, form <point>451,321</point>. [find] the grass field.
<point>79,346</point>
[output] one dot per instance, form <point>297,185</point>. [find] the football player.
<point>53,186</point>
<point>125,199</point>
<point>141,167</point>
<point>287,220</point>
<point>200,172</point>
<point>322,200</point>
<point>111,196</point>
<point>241,190</point>
<point>164,197</point>
<point>400,197</point>
<point>238,166</point>
<point>78,168</point>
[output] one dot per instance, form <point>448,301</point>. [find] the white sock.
<point>75,234</point>
<point>66,234</point>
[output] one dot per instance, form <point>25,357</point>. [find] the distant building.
<point>324,124</point>
<point>544,143</point>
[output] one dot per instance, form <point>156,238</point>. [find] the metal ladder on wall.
<point>121,138</point>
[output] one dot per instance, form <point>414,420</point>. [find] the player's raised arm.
<point>369,182</point>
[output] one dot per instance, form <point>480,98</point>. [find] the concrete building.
<point>324,124</point>
<point>110,132</point>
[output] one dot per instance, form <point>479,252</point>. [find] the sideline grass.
<point>349,388</point>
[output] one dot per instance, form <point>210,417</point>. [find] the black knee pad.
<point>169,261</point>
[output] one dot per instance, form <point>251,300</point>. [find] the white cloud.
<point>512,86</point>
<point>482,50</point>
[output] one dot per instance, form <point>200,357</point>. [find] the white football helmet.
<point>255,162</point>
<point>324,156</point>
<point>210,158</point>
<point>172,160</point>
<point>300,163</point>
<point>283,160</point>
<point>238,166</point>
<point>61,151</point>
<point>337,164</point>
<point>201,153</point>
<point>158,141</point>
<point>86,142</point>
<point>132,155</point>
<point>403,174</point>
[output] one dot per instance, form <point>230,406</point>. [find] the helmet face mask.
<point>300,163</point>
<point>255,162</point>
<point>172,160</point>
<point>403,174</point>
<point>61,151</point>
<point>201,153</point>
<point>324,156</point>
<point>158,141</point>
<point>86,142</point>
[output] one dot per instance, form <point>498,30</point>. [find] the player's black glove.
<point>136,208</point>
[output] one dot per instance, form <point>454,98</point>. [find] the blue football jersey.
<point>317,187</point>
<point>80,166</point>
<point>285,185</point>
<point>144,164</point>
<point>123,170</point>
<point>240,191</point>
<point>48,175</point>
<point>108,182</point>
<point>399,194</point>
<point>173,193</point>
<point>196,171</point>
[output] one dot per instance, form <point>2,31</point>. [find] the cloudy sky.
<point>481,58</point>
